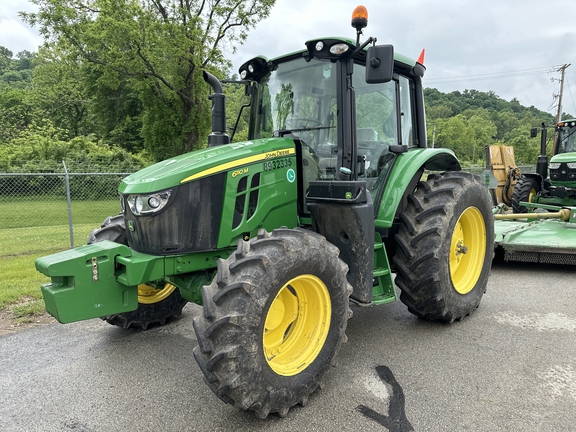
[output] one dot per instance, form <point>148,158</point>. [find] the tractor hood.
<point>208,199</point>
<point>203,163</point>
<point>563,158</point>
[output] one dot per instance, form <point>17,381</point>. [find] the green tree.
<point>115,114</point>
<point>438,111</point>
<point>5,59</point>
<point>455,134</point>
<point>15,73</point>
<point>161,46</point>
<point>505,121</point>
<point>15,113</point>
<point>46,145</point>
<point>58,91</point>
<point>25,60</point>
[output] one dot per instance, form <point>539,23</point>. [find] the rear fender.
<point>537,178</point>
<point>406,172</point>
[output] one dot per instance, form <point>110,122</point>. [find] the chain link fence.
<point>44,212</point>
<point>52,211</point>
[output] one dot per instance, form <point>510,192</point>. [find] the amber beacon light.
<point>360,17</point>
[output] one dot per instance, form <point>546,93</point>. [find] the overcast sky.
<point>510,47</point>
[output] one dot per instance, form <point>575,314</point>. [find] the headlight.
<point>338,49</point>
<point>554,165</point>
<point>146,204</point>
<point>571,165</point>
<point>138,205</point>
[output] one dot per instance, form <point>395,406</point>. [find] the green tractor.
<point>334,192</point>
<point>542,226</point>
<point>559,188</point>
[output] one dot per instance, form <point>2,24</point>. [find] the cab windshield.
<point>300,97</point>
<point>567,140</point>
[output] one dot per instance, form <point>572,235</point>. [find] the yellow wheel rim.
<point>147,294</point>
<point>467,250</point>
<point>297,325</point>
<point>531,195</point>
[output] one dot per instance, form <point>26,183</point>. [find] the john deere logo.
<point>348,195</point>
<point>131,226</point>
<point>290,175</point>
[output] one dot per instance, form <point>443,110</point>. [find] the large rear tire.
<point>445,246</point>
<point>524,191</point>
<point>158,303</point>
<point>274,318</point>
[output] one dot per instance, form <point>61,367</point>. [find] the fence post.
<point>69,206</point>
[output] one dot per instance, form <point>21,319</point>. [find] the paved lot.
<point>511,366</point>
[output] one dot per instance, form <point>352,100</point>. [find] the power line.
<point>493,75</point>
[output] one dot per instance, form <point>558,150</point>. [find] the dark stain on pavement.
<point>396,420</point>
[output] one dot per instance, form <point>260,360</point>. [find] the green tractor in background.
<point>559,188</point>
<point>334,191</point>
<point>542,228</point>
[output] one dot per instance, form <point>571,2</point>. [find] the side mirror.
<point>379,64</point>
<point>533,132</point>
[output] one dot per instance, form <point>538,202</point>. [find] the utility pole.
<point>561,69</point>
<point>559,112</point>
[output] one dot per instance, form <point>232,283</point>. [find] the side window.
<point>264,120</point>
<point>376,123</point>
<point>407,112</point>
<point>568,137</point>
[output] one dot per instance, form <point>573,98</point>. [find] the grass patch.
<point>41,212</point>
<point>41,240</point>
<point>26,311</point>
<point>20,280</point>
<point>21,243</point>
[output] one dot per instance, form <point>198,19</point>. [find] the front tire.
<point>445,247</point>
<point>524,191</point>
<point>274,318</point>
<point>158,303</point>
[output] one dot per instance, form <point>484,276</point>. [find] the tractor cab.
<point>351,109</point>
<point>567,136</point>
<point>349,121</point>
<point>562,165</point>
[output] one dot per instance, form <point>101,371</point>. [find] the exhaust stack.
<point>542,163</point>
<point>218,135</point>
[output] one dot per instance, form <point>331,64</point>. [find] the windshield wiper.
<point>282,132</point>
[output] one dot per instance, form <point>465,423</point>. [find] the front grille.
<point>563,173</point>
<point>189,223</point>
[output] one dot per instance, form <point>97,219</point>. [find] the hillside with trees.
<point>469,120</point>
